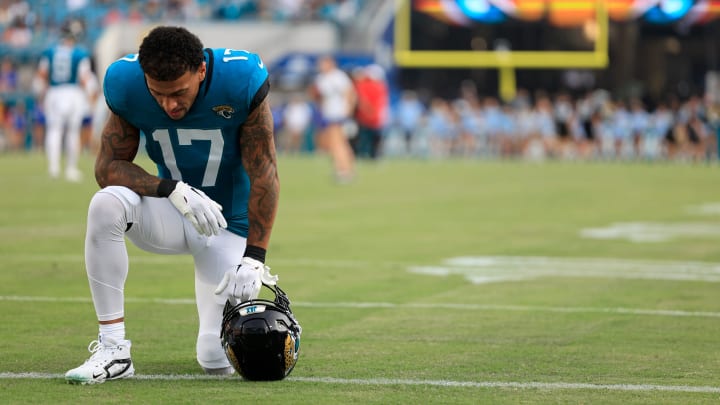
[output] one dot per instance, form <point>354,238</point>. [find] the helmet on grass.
<point>261,338</point>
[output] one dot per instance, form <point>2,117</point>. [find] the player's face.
<point>177,96</point>
<point>325,64</point>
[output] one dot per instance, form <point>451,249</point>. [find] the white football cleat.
<point>73,175</point>
<point>110,360</point>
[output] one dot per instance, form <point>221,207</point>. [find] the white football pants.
<point>158,227</point>
<point>65,107</point>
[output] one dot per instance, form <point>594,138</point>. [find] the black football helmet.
<point>261,338</point>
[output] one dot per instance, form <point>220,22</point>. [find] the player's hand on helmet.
<point>204,213</point>
<point>243,282</point>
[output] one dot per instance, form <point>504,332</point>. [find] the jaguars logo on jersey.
<point>224,111</point>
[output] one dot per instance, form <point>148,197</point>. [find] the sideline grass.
<point>355,244</point>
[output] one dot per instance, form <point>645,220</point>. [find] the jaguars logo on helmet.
<point>261,338</point>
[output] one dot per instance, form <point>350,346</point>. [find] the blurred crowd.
<point>30,27</point>
<point>538,125</point>
<point>381,120</point>
<point>28,24</point>
<point>533,126</point>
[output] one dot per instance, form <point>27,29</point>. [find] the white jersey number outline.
<point>186,138</point>
<point>228,52</point>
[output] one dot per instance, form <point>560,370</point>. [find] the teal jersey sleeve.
<point>203,148</point>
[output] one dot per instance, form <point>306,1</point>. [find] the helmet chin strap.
<point>267,278</point>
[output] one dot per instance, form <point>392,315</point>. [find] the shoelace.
<point>96,348</point>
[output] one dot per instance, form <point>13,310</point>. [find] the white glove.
<point>243,283</point>
<point>204,213</point>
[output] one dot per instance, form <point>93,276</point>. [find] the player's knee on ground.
<point>210,354</point>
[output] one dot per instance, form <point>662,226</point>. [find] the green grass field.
<point>448,282</point>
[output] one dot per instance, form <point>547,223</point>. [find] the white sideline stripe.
<point>399,381</point>
<point>390,305</point>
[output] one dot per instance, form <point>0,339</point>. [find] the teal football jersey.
<point>201,149</point>
<point>63,62</point>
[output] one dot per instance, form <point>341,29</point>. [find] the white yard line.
<point>488,269</point>
<point>649,232</point>
<point>712,208</point>
<point>390,305</point>
<point>476,269</point>
<point>396,381</point>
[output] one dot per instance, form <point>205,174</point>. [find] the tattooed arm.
<point>257,147</point>
<point>114,164</point>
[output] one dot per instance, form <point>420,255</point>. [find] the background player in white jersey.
<point>336,96</point>
<point>209,129</point>
<point>65,77</point>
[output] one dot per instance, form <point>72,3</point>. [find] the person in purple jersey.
<point>209,129</point>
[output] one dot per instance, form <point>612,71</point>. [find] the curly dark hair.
<point>167,53</point>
